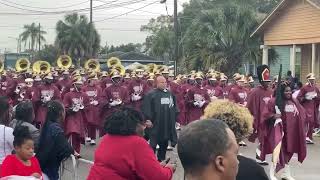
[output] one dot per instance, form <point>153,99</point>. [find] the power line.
<point>127,12</point>
<point>61,7</point>
<point>98,7</point>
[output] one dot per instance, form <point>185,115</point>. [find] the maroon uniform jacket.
<point>196,94</point>
<point>75,121</point>
<point>257,101</point>
<point>238,95</point>
<point>113,93</point>
<point>137,88</point>
<point>45,94</point>
<point>94,94</point>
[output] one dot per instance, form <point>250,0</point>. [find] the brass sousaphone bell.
<point>22,64</point>
<point>92,65</point>
<point>113,61</point>
<point>64,62</point>
<point>1,66</point>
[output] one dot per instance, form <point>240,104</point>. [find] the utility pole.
<point>39,37</point>
<point>176,32</point>
<point>176,38</point>
<point>90,11</point>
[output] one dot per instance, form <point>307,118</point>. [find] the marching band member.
<point>197,99</point>
<point>105,80</point>
<point>258,99</point>
<point>115,96</point>
<point>150,82</point>
<point>137,89</point>
<point>183,116</point>
<point>64,84</point>
<point>214,90</point>
<point>94,93</point>
<point>238,93</point>
<point>46,92</point>
<point>7,85</point>
<point>75,103</point>
<point>309,96</point>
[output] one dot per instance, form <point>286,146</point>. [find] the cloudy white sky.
<point>114,19</point>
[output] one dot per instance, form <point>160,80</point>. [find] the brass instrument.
<point>151,68</point>
<point>64,62</point>
<point>120,69</point>
<point>22,64</point>
<point>92,65</point>
<point>140,68</point>
<point>41,67</point>
<point>113,61</point>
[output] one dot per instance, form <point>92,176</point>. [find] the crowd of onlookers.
<point>208,148</point>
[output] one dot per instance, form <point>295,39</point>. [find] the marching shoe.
<point>272,172</point>
<point>242,143</point>
<point>170,148</point>
<point>286,174</point>
<point>158,147</point>
<point>92,142</point>
<point>88,139</point>
<point>309,141</point>
<point>262,163</point>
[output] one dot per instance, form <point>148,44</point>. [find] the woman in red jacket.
<point>124,154</point>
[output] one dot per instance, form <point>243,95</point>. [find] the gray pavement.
<point>309,170</point>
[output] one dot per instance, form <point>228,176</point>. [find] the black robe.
<point>161,108</point>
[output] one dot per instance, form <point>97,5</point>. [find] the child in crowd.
<point>23,163</point>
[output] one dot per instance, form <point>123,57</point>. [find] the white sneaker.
<point>316,132</point>
<point>92,142</point>
<point>309,141</point>
<point>88,139</point>
<point>170,148</point>
<point>158,147</point>
<point>178,126</point>
<point>286,174</point>
<point>242,143</point>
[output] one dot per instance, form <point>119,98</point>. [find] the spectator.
<point>6,133</point>
<point>53,145</point>
<point>23,163</point>
<point>123,153</point>
<point>208,151</point>
<point>24,116</point>
<point>290,79</point>
<point>239,120</point>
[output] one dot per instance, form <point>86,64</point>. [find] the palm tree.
<point>32,33</point>
<point>77,37</point>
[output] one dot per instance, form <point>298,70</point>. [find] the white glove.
<point>201,103</point>
<point>94,102</point>
<point>309,97</point>
<point>75,109</point>
<point>4,88</point>
<point>115,103</point>
<point>196,103</point>
<point>136,97</point>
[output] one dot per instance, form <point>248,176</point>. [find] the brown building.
<point>294,24</point>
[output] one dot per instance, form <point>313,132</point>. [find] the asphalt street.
<point>309,170</point>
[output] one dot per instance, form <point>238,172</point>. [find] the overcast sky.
<point>115,30</point>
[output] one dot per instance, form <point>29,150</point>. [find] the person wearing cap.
<point>137,89</point>
<point>114,96</point>
<point>238,94</point>
<point>150,82</point>
<point>224,85</point>
<point>309,97</point>
<point>94,92</point>
<point>126,79</point>
<point>105,81</point>
<point>197,99</point>
<point>76,103</point>
<point>45,93</point>
<point>214,90</point>
<point>190,82</point>
<point>64,84</point>
<point>258,99</point>
<point>7,85</point>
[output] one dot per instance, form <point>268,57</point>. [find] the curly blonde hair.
<point>237,117</point>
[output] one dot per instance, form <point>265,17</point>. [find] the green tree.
<point>77,37</point>
<point>160,42</point>
<point>31,34</point>
<point>49,53</point>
